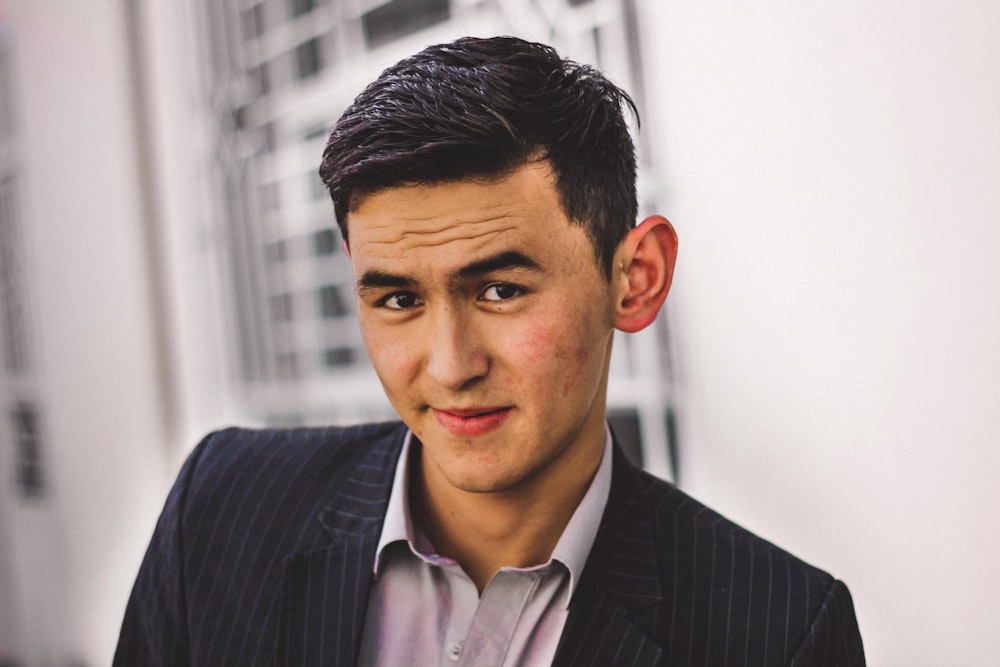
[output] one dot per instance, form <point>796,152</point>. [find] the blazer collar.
<point>325,585</point>
<point>621,580</point>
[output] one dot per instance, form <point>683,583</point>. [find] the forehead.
<point>464,219</point>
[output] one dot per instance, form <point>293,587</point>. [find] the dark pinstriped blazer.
<point>264,554</point>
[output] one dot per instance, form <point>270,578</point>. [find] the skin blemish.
<point>534,342</point>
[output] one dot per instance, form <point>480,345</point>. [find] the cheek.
<point>390,353</point>
<point>529,347</point>
<point>551,353</point>
<point>537,345</point>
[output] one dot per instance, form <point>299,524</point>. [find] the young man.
<point>485,190</point>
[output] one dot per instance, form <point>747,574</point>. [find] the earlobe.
<point>644,268</point>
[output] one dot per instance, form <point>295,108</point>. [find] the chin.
<point>471,484</point>
<point>478,482</point>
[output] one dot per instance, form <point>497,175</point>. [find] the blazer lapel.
<point>326,587</point>
<point>620,583</point>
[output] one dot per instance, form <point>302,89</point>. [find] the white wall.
<point>122,292</point>
<point>833,170</point>
<point>102,428</point>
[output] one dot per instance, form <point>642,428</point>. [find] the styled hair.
<point>482,108</point>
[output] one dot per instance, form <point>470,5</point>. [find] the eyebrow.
<point>505,261</point>
<point>375,279</point>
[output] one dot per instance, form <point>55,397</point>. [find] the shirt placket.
<point>462,601</point>
<point>496,618</point>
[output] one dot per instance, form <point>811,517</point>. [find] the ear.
<point>643,269</point>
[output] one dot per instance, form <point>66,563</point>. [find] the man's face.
<point>490,325</point>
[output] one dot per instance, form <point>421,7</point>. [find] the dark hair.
<point>481,108</point>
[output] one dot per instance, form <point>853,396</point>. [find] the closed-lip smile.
<point>471,421</point>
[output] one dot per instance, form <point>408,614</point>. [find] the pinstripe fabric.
<point>670,582</point>
<point>264,551</point>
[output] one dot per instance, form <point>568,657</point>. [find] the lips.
<point>471,421</point>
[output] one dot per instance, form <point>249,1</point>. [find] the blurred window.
<point>325,241</point>
<point>276,251</point>
<point>300,7</point>
<point>269,140</point>
<point>334,357</point>
<point>253,22</point>
<point>308,58</point>
<point>261,78</point>
<point>398,18</point>
<point>14,334</point>
<point>625,424</point>
<point>30,480</point>
<point>240,117</point>
<point>331,302</point>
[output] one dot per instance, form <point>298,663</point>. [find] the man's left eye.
<point>500,292</point>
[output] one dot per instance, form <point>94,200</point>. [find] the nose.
<point>455,357</point>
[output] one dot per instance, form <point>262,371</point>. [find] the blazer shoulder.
<point>691,521</point>
<point>244,505</point>
<point>295,442</point>
<point>733,595</point>
<point>242,476</point>
<point>241,452</point>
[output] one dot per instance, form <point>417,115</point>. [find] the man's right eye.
<point>400,301</point>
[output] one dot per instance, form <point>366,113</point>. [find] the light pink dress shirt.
<point>424,610</point>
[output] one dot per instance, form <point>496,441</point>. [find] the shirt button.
<point>454,650</point>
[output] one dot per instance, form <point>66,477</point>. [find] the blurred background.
<point>826,372</point>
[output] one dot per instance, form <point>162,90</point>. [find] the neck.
<point>483,532</point>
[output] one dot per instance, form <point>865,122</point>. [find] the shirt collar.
<point>572,549</point>
<point>397,526</point>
